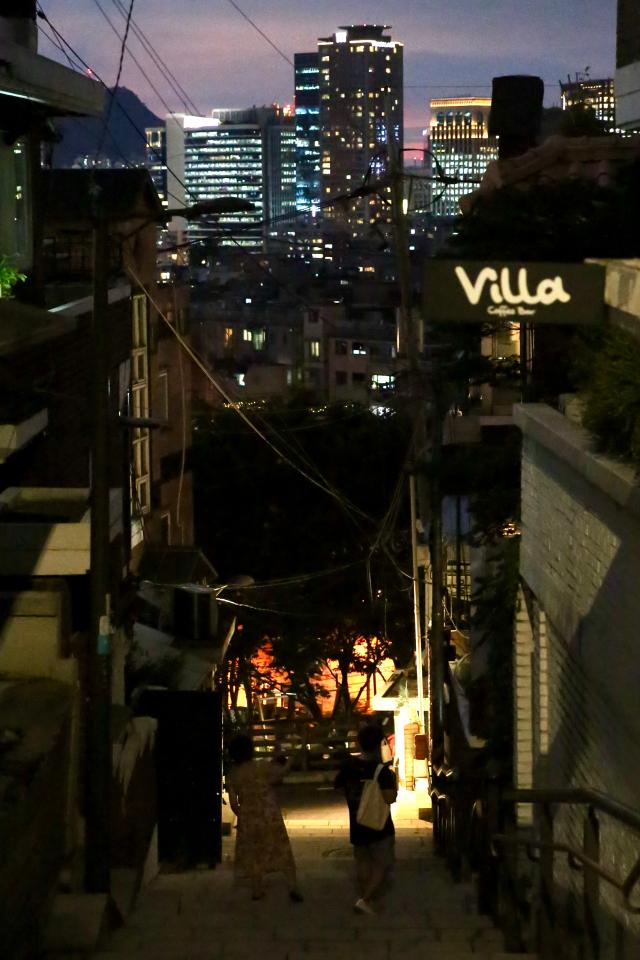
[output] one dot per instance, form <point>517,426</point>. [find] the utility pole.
<point>417,620</point>
<point>98,740</point>
<point>408,347</point>
<point>436,637</point>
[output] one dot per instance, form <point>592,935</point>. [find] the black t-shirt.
<point>350,778</point>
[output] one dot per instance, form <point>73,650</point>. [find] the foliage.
<point>610,387</point>
<point>9,277</point>
<point>255,514</point>
<point>567,221</point>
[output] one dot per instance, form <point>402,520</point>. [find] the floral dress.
<point>262,842</point>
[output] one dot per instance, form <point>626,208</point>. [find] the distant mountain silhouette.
<point>81,136</point>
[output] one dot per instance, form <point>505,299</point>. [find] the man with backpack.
<point>370,788</point>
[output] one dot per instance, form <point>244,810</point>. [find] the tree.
<point>256,514</point>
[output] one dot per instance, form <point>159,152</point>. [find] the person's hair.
<point>370,737</point>
<point>241,748</point>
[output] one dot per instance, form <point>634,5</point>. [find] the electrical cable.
<point>162,67</point>
<point>123,47</point>
<point>280,613</point>
<point>233,405</point>
<point>261,32</point>
<point>134,58</point>
<point>42,15</point>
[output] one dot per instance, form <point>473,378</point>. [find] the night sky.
<point>452,47</point>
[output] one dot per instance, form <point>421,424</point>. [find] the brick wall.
<point>580,563</point>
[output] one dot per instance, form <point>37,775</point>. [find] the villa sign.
<point>473,292</point>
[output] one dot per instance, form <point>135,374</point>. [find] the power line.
<point>163,68</point>
<point>331,491</point>
<point>123,47</point>
<point>134,58</point>
<point>261,32</point>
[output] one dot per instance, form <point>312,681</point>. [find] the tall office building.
<point>360,110</point>
<point>249,154</point>
<point>307,114</point>
<point>595,95</point>
<point>628,65</point>
<point>156,160</point>
<point>460,143</point>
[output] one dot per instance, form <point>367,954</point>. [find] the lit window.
<point>359,350</point>
<point>314,348</point>
<point>246,335</point>
<point>228,336</point>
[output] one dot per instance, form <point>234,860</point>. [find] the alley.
<point>201,915</point>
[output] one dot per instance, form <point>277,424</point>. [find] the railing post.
<point>546,918</point>
<point>490,866</point>
<point>591,890</point>
<point>509,884</point>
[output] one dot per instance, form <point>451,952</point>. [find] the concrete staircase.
<point>200,915</point>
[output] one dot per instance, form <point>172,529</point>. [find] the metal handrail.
<point>577,861</point>
<point>579,796</point>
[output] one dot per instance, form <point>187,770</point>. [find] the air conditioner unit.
<point>195,615</point>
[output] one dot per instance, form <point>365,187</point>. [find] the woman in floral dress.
<point>262,842</point>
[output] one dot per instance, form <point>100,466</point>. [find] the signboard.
<point>469,291</point>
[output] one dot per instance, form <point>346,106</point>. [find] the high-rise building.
<point>460,144</point>
<point>360,112</point>
<point>307,114</point>
<point>280,171</point>
<point>248,154</point>
<point>156,160</point>
<point>595,95</point>
<point>207,158</point>
<point>628,65</point>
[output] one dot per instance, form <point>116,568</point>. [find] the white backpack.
<point>373,809</point>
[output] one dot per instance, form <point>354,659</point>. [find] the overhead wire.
<point>264,36</point>
<point>161,65</point>
<point>134,58</point>
<point>123,47</point>
<point>43,16</point>
<point>357,193</point>
<point>331,491</point>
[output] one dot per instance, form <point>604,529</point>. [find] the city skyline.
<point>447,52</point>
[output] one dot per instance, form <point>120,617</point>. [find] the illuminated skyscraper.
<point>459,140</point>
<point>156,159</point>
<point>249,154</point>
<point>360,109</point>
<point>595,95</point>
<point>307,113</point>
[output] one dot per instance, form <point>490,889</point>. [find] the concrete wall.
<point>580,562</point>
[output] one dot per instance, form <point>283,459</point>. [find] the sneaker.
<point>361,906</point>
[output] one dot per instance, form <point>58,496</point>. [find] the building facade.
<point>307,114</point>
<point>156,160</point>
<point>361,114</point>
<point>459,145</point>
<point>628,65</point>
<point>246,154</point>
<point>596,95</point>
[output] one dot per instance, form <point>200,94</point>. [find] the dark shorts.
<point>380,853</point>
